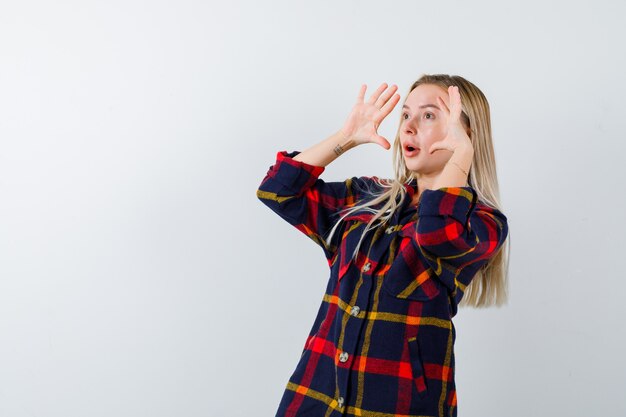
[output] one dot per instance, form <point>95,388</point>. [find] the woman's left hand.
<point>456,135</point>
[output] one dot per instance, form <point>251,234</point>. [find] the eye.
<point>427,113</point>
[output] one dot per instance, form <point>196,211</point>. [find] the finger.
<point>432,148</point>
<point>383,142</point>
<point>436,146</point>
<point>385,97</point>
<point>444,106</point>
<point>361,95</point>
<point>455,102</point>
<point>388,107</point>
<point>377,93</point>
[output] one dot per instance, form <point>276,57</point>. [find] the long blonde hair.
<point>490,285</point>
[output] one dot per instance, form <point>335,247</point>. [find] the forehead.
<point>425,94</point>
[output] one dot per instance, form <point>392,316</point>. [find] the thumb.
<point>435,146</point>
<point>383,142</point>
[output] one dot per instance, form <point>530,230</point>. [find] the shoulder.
<point>372,181</point>
<point>368,186</point>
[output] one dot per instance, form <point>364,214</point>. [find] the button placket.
<point>383,240</point>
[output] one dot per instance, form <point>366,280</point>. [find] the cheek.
<point>426,144</point>
<point>434,133</point>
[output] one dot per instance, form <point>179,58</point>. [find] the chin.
<point>411,165</point>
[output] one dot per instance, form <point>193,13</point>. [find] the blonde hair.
<point>490,285</point>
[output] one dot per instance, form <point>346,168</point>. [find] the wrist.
<point>456,171</point>
<point>463,155</point>
<point>342,142</point>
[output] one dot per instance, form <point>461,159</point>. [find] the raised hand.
<point>362,123</point>
<point>456,135</point>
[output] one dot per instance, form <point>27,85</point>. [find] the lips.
<point>410,150</point>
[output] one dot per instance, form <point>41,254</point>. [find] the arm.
<point>293,190</point>
<point>454,173</point>
<point>457,234</point>
<point>292,187</point>
<point>325,152</point>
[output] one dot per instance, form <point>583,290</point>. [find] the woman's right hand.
<point>363,122</point>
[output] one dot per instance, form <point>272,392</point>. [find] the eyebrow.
<point>422,107</point>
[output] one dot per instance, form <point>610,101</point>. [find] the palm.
<point>365,121</point>
<point>456,135</point>
<point>365,118</point>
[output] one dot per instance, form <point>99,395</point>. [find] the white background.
<point>141,276</point>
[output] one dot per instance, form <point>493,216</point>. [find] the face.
<point>423,123</point>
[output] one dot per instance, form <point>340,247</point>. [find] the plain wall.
<point>141,276</point>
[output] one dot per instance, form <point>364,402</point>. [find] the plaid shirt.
<point>382,343</point>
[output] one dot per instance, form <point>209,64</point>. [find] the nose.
<point>410,126</point>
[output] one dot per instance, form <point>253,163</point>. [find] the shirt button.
<point>367,267</point>
<point>343,357</point>
<point>340,402</point>
<point>355,311</point>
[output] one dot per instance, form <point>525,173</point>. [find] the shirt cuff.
<point>294,175</point>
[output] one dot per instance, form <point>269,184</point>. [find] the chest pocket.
<point>409,276</point>
<point>354,228</point>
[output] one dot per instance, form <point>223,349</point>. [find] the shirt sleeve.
<point>294,191</point>
<point>457,234</point>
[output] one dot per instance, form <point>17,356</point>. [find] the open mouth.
<point>410,150</point>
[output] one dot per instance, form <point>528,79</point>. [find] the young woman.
<point>403,252</point>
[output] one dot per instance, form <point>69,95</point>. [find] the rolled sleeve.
<point>457,234</point>
<point>294,191</point>
<point>294,176</point>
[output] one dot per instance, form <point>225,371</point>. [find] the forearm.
<point>326,151</point>
<point>452,174</point>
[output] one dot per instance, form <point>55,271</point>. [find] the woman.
<point>403,253</point>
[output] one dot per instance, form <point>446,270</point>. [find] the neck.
<point>424,182</point>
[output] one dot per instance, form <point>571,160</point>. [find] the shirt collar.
<point>411,189</point>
